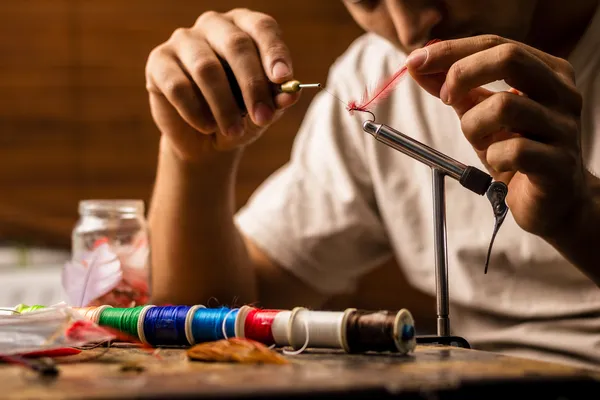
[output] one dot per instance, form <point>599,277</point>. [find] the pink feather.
<point>383,90</point>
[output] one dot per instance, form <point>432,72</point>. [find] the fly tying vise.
<point>352,330</point>
<point>442,165</point>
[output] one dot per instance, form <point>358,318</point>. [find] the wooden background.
<point>74,116</point>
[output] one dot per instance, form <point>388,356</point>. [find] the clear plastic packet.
<point>51,328</point>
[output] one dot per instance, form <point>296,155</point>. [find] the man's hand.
<point>190,97</point>
<point>528,137</point>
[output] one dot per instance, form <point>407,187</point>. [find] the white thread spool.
<point>324,328</point>
<point>279,329</point>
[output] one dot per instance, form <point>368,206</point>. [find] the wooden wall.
<point>74,117</point>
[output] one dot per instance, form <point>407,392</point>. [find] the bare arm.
<point>197,251</point>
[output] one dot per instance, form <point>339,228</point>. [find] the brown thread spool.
<point>370,331</point>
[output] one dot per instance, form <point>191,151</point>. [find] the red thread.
<point>382,91</point>
<point>258,326</point>
<point>61,352</point>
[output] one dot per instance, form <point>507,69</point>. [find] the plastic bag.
<point>51,328</point>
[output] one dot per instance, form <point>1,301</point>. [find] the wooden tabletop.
<point>431,372</point>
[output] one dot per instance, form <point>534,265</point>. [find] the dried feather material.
<point>383,90</point>
<point>235,350</point>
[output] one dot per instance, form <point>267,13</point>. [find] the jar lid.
<point>111,206</point>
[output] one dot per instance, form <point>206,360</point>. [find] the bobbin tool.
<point>471,178</point>
<point>293,86</point>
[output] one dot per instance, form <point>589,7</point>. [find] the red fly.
<point>382,91</point>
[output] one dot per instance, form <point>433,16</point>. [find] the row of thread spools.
<point>351,330</point>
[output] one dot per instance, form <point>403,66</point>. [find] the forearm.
<point>580,240</point>
<point>197,252</point>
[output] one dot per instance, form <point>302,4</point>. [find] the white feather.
<point>96,274</point>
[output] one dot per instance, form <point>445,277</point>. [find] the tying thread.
<point>257,326</point>
<point>207,324</point>
<point>229,324</point>
<point>165,326</point>
<point>122,319</point>
<point>379,331</point>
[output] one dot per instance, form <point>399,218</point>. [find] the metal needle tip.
<point>310,85</point>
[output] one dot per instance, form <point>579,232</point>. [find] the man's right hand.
<point>190,97</point>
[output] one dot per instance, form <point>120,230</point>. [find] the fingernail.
<point>262,114</point>
<point>417,58</point>
<point>236,130</point>
<point>280,70</point>
<point>444,94</point>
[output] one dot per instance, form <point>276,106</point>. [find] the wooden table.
<point>432,372</point>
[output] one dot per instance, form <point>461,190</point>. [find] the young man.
<point>345,203</point>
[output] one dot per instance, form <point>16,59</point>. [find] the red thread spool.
<point>258,326</point>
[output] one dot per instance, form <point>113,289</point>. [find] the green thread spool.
<point>122,319</point>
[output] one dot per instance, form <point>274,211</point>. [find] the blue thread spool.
<point>207,324</point>
<point>165,326</point>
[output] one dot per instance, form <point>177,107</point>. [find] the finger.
<point>519,68</point>
<point>226,143</point>
<point>433,84</point>
<point>200,62</point>
<point>177,129</point>
<point>508,112</point>
<point>166,77</point>
<point>264,30</point>
<point>438,57</point>
<point>285,100</point>
<point>238,49</point>
<point>539,161</point>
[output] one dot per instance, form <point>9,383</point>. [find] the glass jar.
<point>110,262</point>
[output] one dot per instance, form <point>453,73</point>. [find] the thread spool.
<point>379,331</point>
<point>404,332</point>
<point>206,325</point>
<point>122,319</point>
<point>317,329</point>
<point>257,325</point>
<point>280,329</point>
<point>140,323</point>
<point>165,326</point>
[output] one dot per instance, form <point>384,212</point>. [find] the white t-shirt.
<point>345,203</point>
